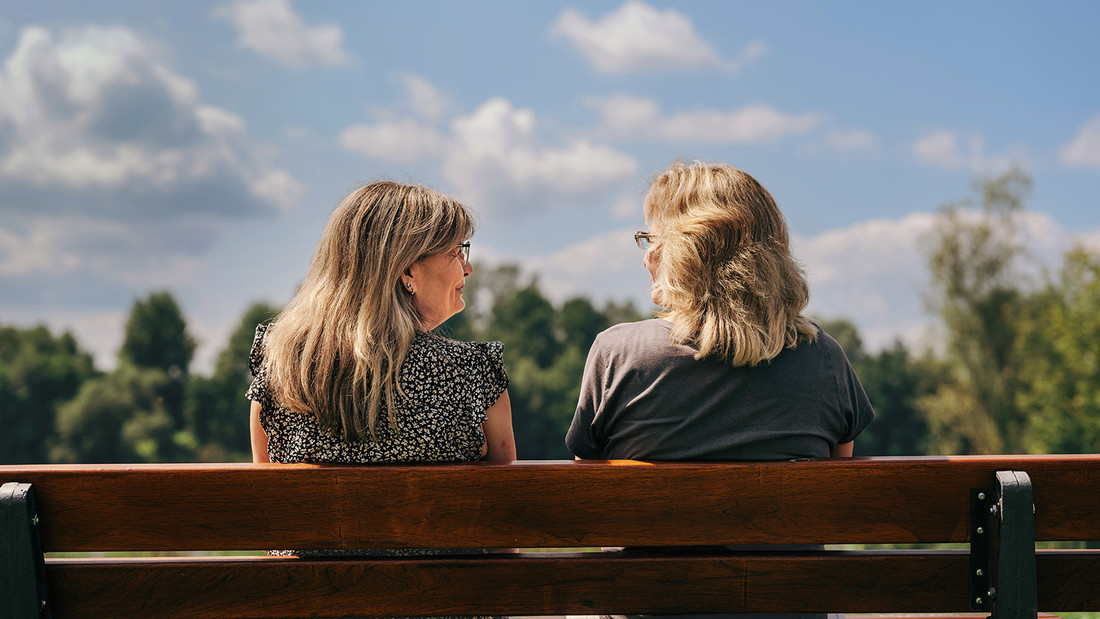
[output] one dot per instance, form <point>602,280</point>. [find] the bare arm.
<point>259,437</point>
<point>843,450</point>
<point>500,443</point>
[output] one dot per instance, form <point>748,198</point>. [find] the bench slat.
<point>528,504</point>
<point>582,583</point>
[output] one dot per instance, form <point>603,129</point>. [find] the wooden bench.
<point>553,505</point>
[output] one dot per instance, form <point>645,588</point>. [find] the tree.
<point>1059,350</point>
<point>524,321</point>
<point>156,336</point>
<point>975,291</point>
<point>135,413</point>
<point>216,409</point>
<point>543,402</point>
<point>38,372</point>
<point>119,417</point>
<point>580,323</point>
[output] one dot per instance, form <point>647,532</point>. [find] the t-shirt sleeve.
<point>258,389</point>
<point>493,378</point>
<point>581,438</point>
<point>854,402</point>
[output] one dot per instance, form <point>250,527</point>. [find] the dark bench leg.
<point>22,569</point>
<point>1016,597</point>
<point>1002,549</point>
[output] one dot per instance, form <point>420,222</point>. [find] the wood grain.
<point>914,582</point>
<point>553,504</point>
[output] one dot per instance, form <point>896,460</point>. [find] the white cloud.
<point>495,156</point>
<point>219,122</point>
<point>272,29</point>
<point>75,244</point>
<point>630,116</point>
<point>951,151</point>
<point>95,112</point>
<point>604,267</point>
<point>114,174</point>
<point>637,37</point>
<point>875,272</point>
<point>397,141</point>
<point>940,149</point>
<point>1084,150</point>
<point>425,99</point>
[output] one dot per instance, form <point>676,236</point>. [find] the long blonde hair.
<point>724,269</point>
<point>336,349</point>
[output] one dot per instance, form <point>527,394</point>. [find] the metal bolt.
<point>42,604</point>
<point>34,520</point>
<point>978,601</point>
<point>978,572</point>
<point>980,530</point>
<point>981,496</point>
<point>992,593</point>
<point>993,510</point>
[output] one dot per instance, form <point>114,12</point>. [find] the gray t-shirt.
<point>643,398</point>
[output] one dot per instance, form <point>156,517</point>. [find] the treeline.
<point>1014,367</point>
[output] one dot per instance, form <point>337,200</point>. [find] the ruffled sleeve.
<point>492,376</point>
<point>257,391</point>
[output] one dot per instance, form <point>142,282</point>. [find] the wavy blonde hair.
<point>336,349</point>
<point>724,270</point>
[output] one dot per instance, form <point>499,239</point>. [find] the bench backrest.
<point>550,505</point>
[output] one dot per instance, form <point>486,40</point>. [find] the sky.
<point>199,147</point>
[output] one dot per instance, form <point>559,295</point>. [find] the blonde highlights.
<point>336,350</point>
<point>724,270</point>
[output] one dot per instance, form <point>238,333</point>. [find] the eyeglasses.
<point>464,249</point>
<point>645,240</point>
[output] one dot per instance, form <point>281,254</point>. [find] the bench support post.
<point>1002,548</point>
<point>22,568</point>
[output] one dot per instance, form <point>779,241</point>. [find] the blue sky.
<point>200,146</point>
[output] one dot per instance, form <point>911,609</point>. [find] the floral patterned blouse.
<point>450,386</point>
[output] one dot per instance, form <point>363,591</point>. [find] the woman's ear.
<point>407,280</point>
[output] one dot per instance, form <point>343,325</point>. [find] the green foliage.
<point>38,372</point>
<point>1021,365</point>
<point>118,417</point>
<point>156,335</point>
<point>973,262</point>
<point>1058,345</point>
<point>216,410</point>
<point>895,382</point>
<point>580,323</point>
<point>149,409</point>
<point>543,402</point>
<point>524,321</point>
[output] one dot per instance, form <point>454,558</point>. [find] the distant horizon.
<point>199,147</point>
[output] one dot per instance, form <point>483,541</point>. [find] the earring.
<point>410,287</point>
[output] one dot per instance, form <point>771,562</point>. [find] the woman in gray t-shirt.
<point>731,369</point>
